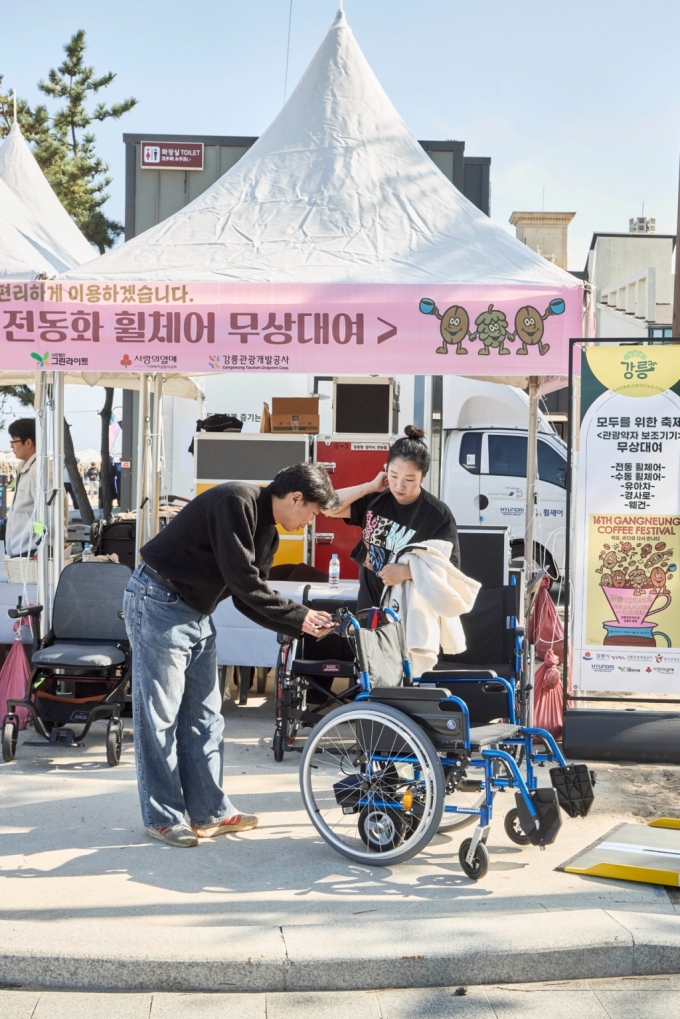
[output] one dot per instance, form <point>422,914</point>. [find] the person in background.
<point>18,530</point>
<point>68,487</point>
<point>221,544</point>
<point>394,510</point>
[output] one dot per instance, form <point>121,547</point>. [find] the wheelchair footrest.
<point>574,786</point>
<point>547,806</point>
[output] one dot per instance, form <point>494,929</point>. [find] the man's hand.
<point>317,622</point>
<point>395,573</point>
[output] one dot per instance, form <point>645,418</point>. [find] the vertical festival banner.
<point>627,533</point>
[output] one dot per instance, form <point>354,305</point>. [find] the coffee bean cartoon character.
<point>618,578</point>
<point>454,325</point>
<point>606,580</point>
<point>492,330</point>
<point>658,557</point>
<point>658,579</point>
<point>530,326</point>
<point>610,560</point>
<point>626,547</point>
<point>646,549</point>
<point>637,579</point>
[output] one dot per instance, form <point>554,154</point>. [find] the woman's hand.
<point>379,483</point>
<point>395,573</point>
<point>318,623</point>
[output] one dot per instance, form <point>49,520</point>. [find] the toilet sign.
<point>172,155</point>
<point>627,533</point>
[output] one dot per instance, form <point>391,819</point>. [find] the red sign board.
<point>172,155</point>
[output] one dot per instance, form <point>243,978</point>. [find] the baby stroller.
<point>380,776</point>
<point>81,669</point>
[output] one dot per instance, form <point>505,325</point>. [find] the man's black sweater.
<point>223,543</point>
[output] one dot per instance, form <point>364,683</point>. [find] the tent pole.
<point>41,433</point>
<point>58,468</point>
<point>142,419</point>
<point>156,451</point>
<point>532,463</point>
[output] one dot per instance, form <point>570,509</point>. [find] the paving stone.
<point>18,1004</point>
<point>528,1003</point>
<point>209,1006</point>
<point>86,1005</point>
<point>324,1005</point>
<point>435,1003</point>
<point>638,1004</point>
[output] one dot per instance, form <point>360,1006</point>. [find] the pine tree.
<point>63,145</point>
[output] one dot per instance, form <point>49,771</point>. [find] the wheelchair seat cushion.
<point>474,671</point>
<point>88,655</point>
<point>486,735</point>
<point>307,667</point>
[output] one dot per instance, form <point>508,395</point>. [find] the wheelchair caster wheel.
<point>10,736</point>
<point>381,828</point>
<point>278,745</point>
<point>114,741</point>
<point>480,863</point>
<point>513,828</point>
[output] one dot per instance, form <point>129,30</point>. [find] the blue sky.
<point>580,99</point>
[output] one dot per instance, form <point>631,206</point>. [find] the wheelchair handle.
<point>29,610</point>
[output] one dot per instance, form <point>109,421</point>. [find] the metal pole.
<point>156,451</point>
<point>141,459</point>
<point>676,288</point>
<point>532,464</point>
<point>58,447</point>
<point>41,439</point>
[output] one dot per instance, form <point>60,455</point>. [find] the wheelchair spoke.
<point>372,783</point>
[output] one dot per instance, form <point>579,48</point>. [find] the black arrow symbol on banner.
<point>392,331</point>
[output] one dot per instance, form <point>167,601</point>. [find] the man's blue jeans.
<point>176,705</point>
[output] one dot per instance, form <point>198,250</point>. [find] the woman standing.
<point>394,510</point>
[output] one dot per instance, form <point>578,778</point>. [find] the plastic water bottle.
<point>334,573</point>
<point>87,552</point>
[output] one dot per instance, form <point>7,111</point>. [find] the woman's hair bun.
<point>414,433</point>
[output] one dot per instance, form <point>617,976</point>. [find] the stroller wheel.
<point>381,828</point>
<point>480,862</point>
<point>114,741</point>
<point>513,829</point>
<point>278,745</point>
<point>10,735</point>
<point>372,784</point>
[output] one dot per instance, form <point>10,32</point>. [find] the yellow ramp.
<point>633,852</point>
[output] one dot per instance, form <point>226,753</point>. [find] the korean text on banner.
<point>338,328</point>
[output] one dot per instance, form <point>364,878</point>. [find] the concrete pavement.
<point>276,908</point>
<point>621,998</point>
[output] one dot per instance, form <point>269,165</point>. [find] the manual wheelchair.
<point>381,775</point>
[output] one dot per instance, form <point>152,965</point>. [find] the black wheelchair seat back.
<point>489,633</point>
<point>486,701</point>
<point>89,601</point>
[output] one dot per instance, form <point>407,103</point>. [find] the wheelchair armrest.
<point>27,610</point>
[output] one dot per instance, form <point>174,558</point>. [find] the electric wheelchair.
<point>381,775</point>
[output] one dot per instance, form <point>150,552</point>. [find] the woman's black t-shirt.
<point>388,527</point>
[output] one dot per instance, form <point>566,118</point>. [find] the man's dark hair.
<point>23,428</point>
<point>309,479</point>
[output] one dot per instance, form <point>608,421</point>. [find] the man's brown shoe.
<point>237,822</point>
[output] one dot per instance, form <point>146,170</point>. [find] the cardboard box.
<point>295,414</point>
<point>295,423</point>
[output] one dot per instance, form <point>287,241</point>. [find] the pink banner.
<point>329,329</point>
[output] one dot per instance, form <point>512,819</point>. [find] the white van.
<point>485,465</point>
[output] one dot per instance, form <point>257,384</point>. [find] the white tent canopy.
<point>31,206</point>
<point>337,190</point>
<point>19,259</point>
<point>173,385</point>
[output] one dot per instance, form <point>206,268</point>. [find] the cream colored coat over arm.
<point>431,603</point>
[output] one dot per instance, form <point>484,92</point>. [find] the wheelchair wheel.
<point>372,784</point>
<point>277,746</point>
<point>480,862</point>
<point>10,736</point>
<point>513,828</point>
<point>114,741</point>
